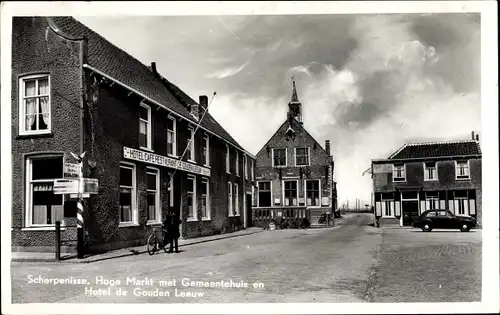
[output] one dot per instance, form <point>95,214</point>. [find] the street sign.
<point>90,185</point>
<point>65,186</point>
<point>72,170</point>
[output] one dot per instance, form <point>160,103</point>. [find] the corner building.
<point>73,91</point>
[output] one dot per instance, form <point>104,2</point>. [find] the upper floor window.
<point>302,156</point>
<point>398,173</point>
<point>206,150</point>
<point>34,105</point>
<point>252,169</point>
<point>43,206</point>
<point>171,136</point>
<point>462,169</point>
<point>190,145</point>
<point>430,171</point>
<point>279,157</point>
<point>237,163</point>
<point>228,170</point>
<point>145,126</point>
<point>245,166</point>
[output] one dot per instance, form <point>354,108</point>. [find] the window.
<point>431,214</point>
<point>43,206</point>
<point>128,195</point>
<point>398,173</point>
<point>432,200</point>
<point>252,169</point>
<point>442,213</point>
<point>312,193</point>
<point>230,198</point>
<point>237,163</point>
<point>290,192</point>
<point>145,126</point>
<point>301,156</point>
<point>205,199</point>
<point>190,145</point>
<point>387,201</point>
<point>430,171</point>
<point>245,166</point>
<point>264,194</point>
<point>228,170</point>
<point>34,105</point>
<point>206,151</point>
<point>191,197</point>
<point>171,136</point>
<point>462,169</point>
<point>236,200</point>
<point>153,182</point>
<point>170,189</point>
<point>279,157</point>
<point>461,202</point>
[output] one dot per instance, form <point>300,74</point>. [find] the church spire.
<point>295,107</point>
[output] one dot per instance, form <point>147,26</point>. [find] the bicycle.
<point>155,244</point>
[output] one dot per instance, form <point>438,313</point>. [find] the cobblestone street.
<point>352,262</point>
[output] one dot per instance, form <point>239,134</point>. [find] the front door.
<point>249,210</point>
<point>410,212</point>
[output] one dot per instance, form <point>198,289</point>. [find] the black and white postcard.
<point>255,157</point>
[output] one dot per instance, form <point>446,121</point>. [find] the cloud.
<point>222,74</point>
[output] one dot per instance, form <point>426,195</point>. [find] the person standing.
<point>174,233</point>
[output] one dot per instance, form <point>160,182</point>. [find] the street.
<point>352,262</point>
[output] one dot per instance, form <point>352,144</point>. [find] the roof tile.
<point>437,149</point>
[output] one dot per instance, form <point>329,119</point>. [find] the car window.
<point>449,213</point>
<point>431,214</point>
<point>442,213</point>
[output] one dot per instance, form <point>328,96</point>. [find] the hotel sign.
<point>151,158</point>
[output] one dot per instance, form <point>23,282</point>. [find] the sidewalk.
<point>130,251</point>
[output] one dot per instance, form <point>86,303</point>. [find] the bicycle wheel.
<point>165,243</point>
<point>152,244</point>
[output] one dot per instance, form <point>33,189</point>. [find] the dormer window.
<point>195,111</point>
<point>398,173</point>
<point>171,136</point>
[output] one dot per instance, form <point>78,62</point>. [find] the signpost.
<point>65,186</point>
<point>79,205</point>
<point>72,170</point>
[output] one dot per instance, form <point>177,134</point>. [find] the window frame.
<point>170,188</point>
<point>270,193</point>
<point>426,175</point>
<point>456,171</point>
<point>252,169</point>
<point>156,172</point>
<point>228,156</point>
<point>319,193</point>
<point>245,166</point>
<point>28,223</point>
<point>399,179</point>
<point>230,212</point>
<point>135,213</point>
<point>190,145</point>
<point>21,105</point>
<point>392,210</point>
<point>194,200</point>
<point>296,181</point>
<point>236,200</point>
<point>308,156</point>
<point>206,150</point>
<point>206,181</point>
<point>149,135</point>
<point>433,200</point>
<point>237,163</point>
<point>174,131</point>
<point>286,157</point>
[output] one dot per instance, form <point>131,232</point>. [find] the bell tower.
<point>295,107</point>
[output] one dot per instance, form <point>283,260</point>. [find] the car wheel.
<point>427,227</point>
<point>464,227</point>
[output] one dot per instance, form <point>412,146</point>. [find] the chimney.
<point>153,67</point>
<point>477,138</point>
<point>327,146</point>
<point>203,103</point>
<point>472,135</point>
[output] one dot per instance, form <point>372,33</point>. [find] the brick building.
<point>426,176</point>
<point>73,91</point>
<point>294,173</point>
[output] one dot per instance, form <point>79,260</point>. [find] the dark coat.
<point>172,224</point>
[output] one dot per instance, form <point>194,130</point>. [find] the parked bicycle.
<point>156,243</point>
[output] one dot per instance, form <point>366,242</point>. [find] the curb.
<point>74,260</point>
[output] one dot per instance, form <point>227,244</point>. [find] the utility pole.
<point>79,206</point>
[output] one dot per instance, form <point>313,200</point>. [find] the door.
<point>410,212</point>
<point>249,210</point>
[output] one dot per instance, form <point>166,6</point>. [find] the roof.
<point>123,67</point>
<point>437,149</point>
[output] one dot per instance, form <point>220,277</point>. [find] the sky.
<point>368,83</point>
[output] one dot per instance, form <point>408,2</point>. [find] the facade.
<point>426,176</point>
<point>294,174</point>
<point>73,91</point>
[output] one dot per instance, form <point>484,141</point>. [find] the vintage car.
<point>443,219</point>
